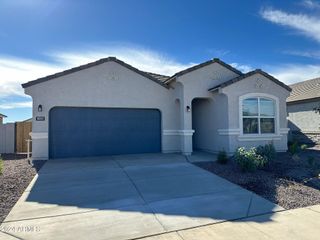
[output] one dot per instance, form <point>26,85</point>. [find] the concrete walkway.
<point>296,224</point>
<point>127,197</point>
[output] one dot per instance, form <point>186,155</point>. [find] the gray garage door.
<point>80,132</point>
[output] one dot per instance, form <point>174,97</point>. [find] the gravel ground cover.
<point>16,175</point>
<point>290,183</point>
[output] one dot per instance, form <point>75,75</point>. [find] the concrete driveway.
<point>126,197</point>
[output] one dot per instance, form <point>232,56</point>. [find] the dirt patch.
<point>16,176</point>
<point>286,182</point>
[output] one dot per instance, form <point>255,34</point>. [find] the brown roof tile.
<point>85,66</point>
<point>159,77</point>
<point>241,77</point>
<point>193,68</point>
<point>305,90</point>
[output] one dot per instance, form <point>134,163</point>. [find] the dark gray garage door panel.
<point>80,132</point>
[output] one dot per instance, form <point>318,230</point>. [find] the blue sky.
<point>41,37</point>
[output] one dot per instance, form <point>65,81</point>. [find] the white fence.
<point>7,138</point>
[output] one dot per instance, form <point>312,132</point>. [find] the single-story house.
<point>109,107</point>
<point>303,120</point>
<point>2,116</point>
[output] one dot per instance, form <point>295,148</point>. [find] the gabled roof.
<point>237,79</point>
<point>193,68</point>
<point>306,90</point>
<point>2,115</point>
<point>85,66</point>
<point>159,77</point>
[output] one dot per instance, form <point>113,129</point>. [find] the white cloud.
<point>15,71</point>
<point>243,68</point>
<point>305,24</point>
<point>141,58</point>
<point>292,73</point>
<point>11,105</point>
<point>310,4</point>
<point>309,54</point>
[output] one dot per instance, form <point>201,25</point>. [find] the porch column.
<point>186,128</point>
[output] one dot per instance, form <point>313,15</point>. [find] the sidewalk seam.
<point>11,235</point>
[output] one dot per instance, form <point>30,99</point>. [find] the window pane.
<point>266,107</point>
<point>250,125</point>
<point>250,107</point>
<point>267,125</point>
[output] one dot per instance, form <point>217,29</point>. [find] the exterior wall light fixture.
<point>40,108</point>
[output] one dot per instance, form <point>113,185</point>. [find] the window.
<point>258,115</point>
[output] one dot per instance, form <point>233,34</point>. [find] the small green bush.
<point>249,160</point>
<point>222,157</point>
<point>294,148</point>
<point>267,151</point>
<point>303,147</point>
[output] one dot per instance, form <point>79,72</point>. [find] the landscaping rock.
<point>288,183</point>
<point>16,176</point>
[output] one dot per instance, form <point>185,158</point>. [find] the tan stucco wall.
<point>302,117</point>
<point>195,85</point>
<point>268,88</point>
<point>112,85</point>
<point>93,87</point>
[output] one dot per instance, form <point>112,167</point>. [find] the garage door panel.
<point>78,132</point>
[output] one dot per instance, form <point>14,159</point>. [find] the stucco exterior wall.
<point>302,117</point>
<point>304,122</point>
<point>105,85</point>
<point>195,85</point>
<point>256,85</point>
<point>208,117</point>
<point>212,123</point>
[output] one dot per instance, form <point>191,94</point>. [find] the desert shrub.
<point>267,151</point>
<point>249,160</point>
<point>294,148</point>
<point>222,157</point>
<point>303,147</point>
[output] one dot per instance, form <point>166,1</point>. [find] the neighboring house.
<point>2,116</point>
<point>7,132</point>
<point>109,107</point>
<point>304,122</point>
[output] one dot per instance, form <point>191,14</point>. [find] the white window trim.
<point>276,117</point>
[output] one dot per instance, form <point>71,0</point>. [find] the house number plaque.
<point>40,118</point>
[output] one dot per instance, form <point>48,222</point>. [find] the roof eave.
<point>88,65</point>
<point>214,89</point>
<point>305,100</point>
<point>198,66</point>
<point>249,74</point>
